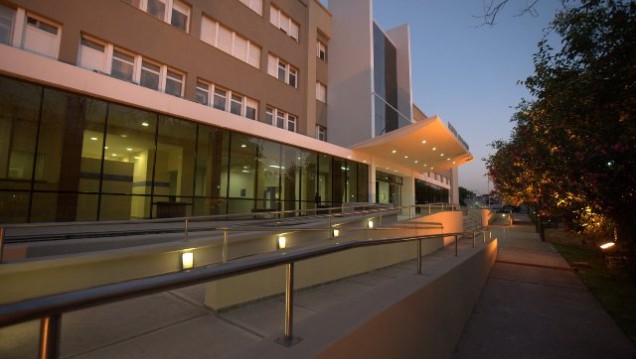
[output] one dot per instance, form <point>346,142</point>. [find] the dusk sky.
<point>466,73</point>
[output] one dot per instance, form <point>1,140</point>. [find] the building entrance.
<point>388,189</point>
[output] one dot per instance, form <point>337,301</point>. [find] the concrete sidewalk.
<point>534,306</point>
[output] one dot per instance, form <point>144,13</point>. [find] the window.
<point>280,119</point>
<point>251,107</point>
<point>220,98</point>
<point>283,22</point>
<point>230,42</point>
<point>174,12</point>
<point>103,57</point>
<point>122,66</point>
<point>41,37</point>
<point>7,18</point>
<point>282,71</point>
<point>321,51</point>
<point>174,83</point>
<point>203,93</point>
<point>321,92</point>
<point>150,74</point>
<point>92,55</point>
<point>238,104</point>
<point>321,133</point>
<point>180,15</point>
<point>255,5</point>
<point>157,8</point>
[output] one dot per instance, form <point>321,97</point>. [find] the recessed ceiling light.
<point>124,135</point>
<point>415,161</point>
<point>453,162</point>
<point>432,168</point>
<point>405,157</point>
<point>441,155</point>
<point>114,155</point>
<point>434,148</point>
<point>243,145</point>
<point>105,147</point>
<point>128,149</point>
<point>423,141</point>
<point>145,124</point>
<point>448,159</point>
<point>137,157</point>
<point>394,151</point>
<point>93,138</point>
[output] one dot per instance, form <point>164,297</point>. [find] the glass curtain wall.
<point>67,157</point>
<point>429,193</point>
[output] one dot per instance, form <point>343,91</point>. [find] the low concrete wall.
<point>418,316</point>
<point>248,287</point>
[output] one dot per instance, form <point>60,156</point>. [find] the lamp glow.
<point>607,245</point>
<point>282,242</point>
<point>336,232</point>
<point>370,223</point>
<point>187,260</point>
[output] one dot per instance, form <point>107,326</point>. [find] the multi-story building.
<point>126,109</point>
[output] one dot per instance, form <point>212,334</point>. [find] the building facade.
<point>137,109</point>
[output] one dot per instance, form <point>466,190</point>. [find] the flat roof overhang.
<point>423,146</point>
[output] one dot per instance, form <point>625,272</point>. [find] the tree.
<point>492,8</point>
<point>463,194</point>
<point>577,137</point>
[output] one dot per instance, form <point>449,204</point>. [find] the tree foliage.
<point>574,143</point>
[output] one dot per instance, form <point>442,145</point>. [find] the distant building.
<point>134,109</point>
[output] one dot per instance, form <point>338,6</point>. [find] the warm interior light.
<point>336,232</point>
<point>607,245</point>
<point>93,138</point>
<point>370,223</point>
<point>187,260</point>
<point>394,151</point>
<point>145,124</point>
<point>282,242</point>
<point>423,141</point>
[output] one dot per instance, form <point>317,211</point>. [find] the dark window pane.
<point>175,158</point>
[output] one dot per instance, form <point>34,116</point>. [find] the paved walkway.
<point>534,306</point>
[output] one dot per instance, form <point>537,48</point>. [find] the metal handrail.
<point>188,220</point>
<point>49,309</point>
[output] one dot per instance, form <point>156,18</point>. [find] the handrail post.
<point>185,229</point>
<point>429,209</point>
<point>50,334</point>
<point>484,233</point>
<point>224,259</point>
<point>419,256</point>
<point>1,242</point>
<point>473,239</point>
<point>455,245</point>
<point>288,339</point>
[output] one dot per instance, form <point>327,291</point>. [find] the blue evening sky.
<point>466,73</point>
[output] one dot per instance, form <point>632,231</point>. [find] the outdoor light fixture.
<point>187,260</point>
<point>607,245</point>
<point>282,242</point>
<point>336,232</point>
<point>370,224</point>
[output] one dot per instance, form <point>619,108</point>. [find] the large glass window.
<point>324,179</point>
<point>129,157</point>
<point>268,169</point>
<point>68,158</point>
<point>174,169</point>
<point>243,173</point>
<point>211,171</point>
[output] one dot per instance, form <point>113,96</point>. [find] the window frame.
<point>230,98</point>
<point>216,28</point>
<point>321,51</point>
<point>284,22</point>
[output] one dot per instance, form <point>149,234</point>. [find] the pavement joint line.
<point>188,300</point>
<point>568,269</point>
<point>539,283</point>
<point>245,327</point>
<point>139,335</point>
